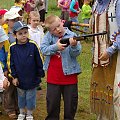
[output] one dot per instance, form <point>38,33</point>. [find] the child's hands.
<point>15,82</point>
<point>73,42</point>
<point>90,11</point>
<point>6,74</point>
<point>60,46</point>
<point>104,56</point>
<point>6,83</point>
<point>78,11</point>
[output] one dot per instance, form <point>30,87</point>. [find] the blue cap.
<point>19,25</point>
<point>3,36</point>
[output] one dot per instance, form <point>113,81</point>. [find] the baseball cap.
<point>3,36</point>
<point>19,25</point>
<point>3,11</point>
<point>15,8</point>
<point>11,15</point>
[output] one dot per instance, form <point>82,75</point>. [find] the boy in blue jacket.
<point>26,69</point>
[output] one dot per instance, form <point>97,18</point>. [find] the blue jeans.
<point>26,98</point>
<point>86,21</point>
<point>75,19</point>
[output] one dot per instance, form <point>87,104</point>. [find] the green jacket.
<point>86,11</point>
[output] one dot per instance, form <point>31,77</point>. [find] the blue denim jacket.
<point>69,63</point>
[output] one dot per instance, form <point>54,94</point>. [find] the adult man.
<point>103,74</point>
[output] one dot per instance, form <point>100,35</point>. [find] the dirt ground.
<point>40,111</point>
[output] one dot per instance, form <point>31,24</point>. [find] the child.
<point>35,30</point>
<point>26,69</point>
<point>17,9</point>
<point>10,103</point>
<point>62,69</point>
<point>86,13</point>
<point>64,5</point>
<point>27,8</point>
<point>19,3</point>
<point>4,49</point>
<point>40,5</point>
<point>4,83</point>
<point>74,11</point>
<point>11,16</point>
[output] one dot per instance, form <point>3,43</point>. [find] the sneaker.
<point>30,117</point>
<point>21,117</point>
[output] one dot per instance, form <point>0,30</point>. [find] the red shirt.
<point>55,73</point>
<point>76,7</point>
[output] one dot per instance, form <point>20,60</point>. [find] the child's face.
<point>34,21</point>
<point>1,44</point>
<point>57,28</point>
<point>87,2</point>
<point>11,22</point>
<point>22,36</point>
<point>1,19</point>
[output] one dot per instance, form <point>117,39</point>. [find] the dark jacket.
<point>26,64</point>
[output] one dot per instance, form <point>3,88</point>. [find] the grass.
<point>83,111</point>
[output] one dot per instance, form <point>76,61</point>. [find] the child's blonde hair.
<point>50,20</point>
<point>34,13</point>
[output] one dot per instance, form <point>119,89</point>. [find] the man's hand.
<point>6,83</point>
<point>104,56</point>
<point>15,82</point>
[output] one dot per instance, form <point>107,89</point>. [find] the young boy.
<point>26,69</point>
<point>10,103</point>
<point>86,13</point>
<point>11,17</point>
<point>62,69</point>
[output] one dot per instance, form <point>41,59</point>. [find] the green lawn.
<point>83,112</point>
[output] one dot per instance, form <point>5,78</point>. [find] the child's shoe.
<point>30,117</point>
<point>21,117</point>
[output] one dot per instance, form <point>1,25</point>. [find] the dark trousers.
<point>10,103</point>
<point>42,15</point>
<point>70,98</point>
<point>65,15</point>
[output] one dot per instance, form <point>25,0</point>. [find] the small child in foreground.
<point>26,69</point>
